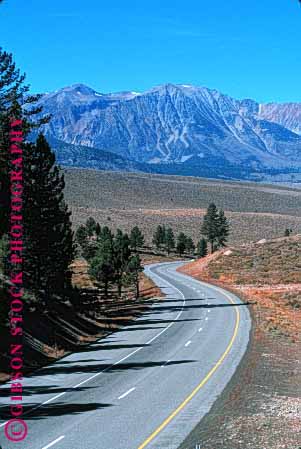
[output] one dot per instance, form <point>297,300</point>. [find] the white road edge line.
<point>127,393</point>
<point>188,343</point>
<point>121,360</point>
<point>54,442</point>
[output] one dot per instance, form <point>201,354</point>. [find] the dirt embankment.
<point>261,407</point>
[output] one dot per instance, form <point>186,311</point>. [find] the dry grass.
<point>123,200</point>
<point>261,407</point>
<point>269,273</point>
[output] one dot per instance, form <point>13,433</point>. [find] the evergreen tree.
<point>81,236</point>
<point>210,227</point>
<point>288,232</point>
<point>169,240</point>
<point>159,237</point>
<point>122,254</point>
<point>215,227</point>
<point>47,227</point>
<point>91,226</point>
<point>4,252</point>
<point>102,266</point>
<point>223,229</point>
<point>136,238</point>
<point>202,249</point>
<point>135,268</point>
<point>105,235</point>
<point>181,243</point>
<point>13,99</point>
<point>97,229</point>
<point>189,245</point>
<point>4,286</point>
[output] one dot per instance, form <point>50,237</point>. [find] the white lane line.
<point>164,364</point>
<point>209,311</point>
<point>206,318</point>
<point>124,358</point>
<point>200,329</point>
<point>127,393</point>
<point>55,397</point>
<point>54,442</point>
<point>188,343</point>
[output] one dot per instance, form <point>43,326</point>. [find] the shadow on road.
<point>60,409</point>
<point>97,368</point>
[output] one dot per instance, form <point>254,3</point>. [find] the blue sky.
<point>247,49</point>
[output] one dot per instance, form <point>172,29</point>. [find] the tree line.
<point>214,232</point>
<point>113,258</point>
<point>48,241</point>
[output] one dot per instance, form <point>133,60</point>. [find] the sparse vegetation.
<point>254,211</point>
<point>267,275</point>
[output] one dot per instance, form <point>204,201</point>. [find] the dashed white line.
<point>188,343</point>
<point>164,364</point>
<point>54,442</point>
<point>127,393</point>
<point>200,329</point>
<point>209,310</point>
<point>119,361</point>
<point>206,318</point>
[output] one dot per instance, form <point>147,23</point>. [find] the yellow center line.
<point>200,385</point>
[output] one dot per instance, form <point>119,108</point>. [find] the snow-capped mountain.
<point>180,129</point>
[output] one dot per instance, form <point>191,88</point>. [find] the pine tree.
<point>210,227</point>
<point>91,226</point>
<point>189,245</point>
<point>47,226</point>
<point>136,238</point>
<point>105,235</point>
<point>181,243</point>
<point>81,236</point>
<point>102,266</point>
<point>288,232</point>
<point>169,240</point>
<point>13,99</point>
<point>97,229</point>
<point>223,229</point>
<point>159,236</point>
<point>202,249</point>
<point>122,253</point>
<point>135,268</point>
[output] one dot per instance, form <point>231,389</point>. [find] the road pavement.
<point>146,385</point>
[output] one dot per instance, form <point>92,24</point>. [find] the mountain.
<point>286,114</point>
<point>80,156</point>
<point>180,129</point>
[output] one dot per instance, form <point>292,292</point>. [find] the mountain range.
<point>175,129</point>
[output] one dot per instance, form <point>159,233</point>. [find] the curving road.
<point>147,385</point>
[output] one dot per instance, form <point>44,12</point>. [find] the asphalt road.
<point>146,385</point>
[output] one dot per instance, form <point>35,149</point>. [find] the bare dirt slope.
<point>261,408</point>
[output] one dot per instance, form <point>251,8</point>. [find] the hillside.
<point>265,391</point>
<point>177,129</point>
<point>125,199</point>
